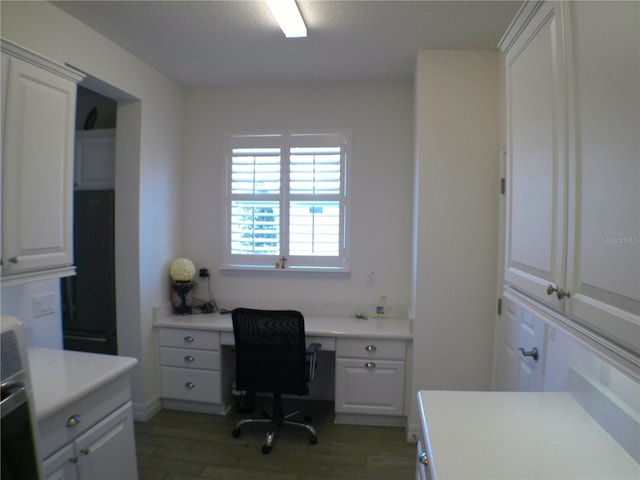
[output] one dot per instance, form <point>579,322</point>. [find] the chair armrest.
<point>312,349</point>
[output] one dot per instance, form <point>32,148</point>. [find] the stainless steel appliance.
<point>20,459</point>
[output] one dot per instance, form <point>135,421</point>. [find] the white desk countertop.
<point>517,435</point>
<point>315,325</point>
<point>61,377</point>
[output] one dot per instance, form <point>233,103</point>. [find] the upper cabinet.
<point>37,166</point>
<point>95,159</point>
<point>573,162</point>
<point>536,153</point>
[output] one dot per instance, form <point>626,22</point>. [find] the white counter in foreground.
<point>517,435</point>
<point>62,377</point>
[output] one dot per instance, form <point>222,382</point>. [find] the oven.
<point>20,458</point>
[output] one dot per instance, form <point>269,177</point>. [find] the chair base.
<point>275,420</point>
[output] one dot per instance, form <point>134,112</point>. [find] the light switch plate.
<point>44,304</point>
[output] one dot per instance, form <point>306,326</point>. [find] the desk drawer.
<point>370,348</point>
<point>190,384</point>
<point>187,338</point>
<point>190,358</point>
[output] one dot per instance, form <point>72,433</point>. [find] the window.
<point>286,201</point>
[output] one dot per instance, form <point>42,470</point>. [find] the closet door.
<point>604,265</point>
<point>536,159</point>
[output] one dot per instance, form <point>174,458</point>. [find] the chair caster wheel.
<point>266,449</point>
<point>235,433</point>
<point>313,440</point>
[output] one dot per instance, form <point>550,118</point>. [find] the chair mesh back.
<point>270,351</point>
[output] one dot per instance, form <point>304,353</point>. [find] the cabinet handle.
<point>370,348</point>
<point>533,353</point>
<point>188,339</point>
<point>13,259</point>
<point>560,292</point>
<point>190,385</point>
<point>423,459</point>
<point>73,420</point>
<point>85,451</point>
<point>370,365</point>
<point>189,358</point>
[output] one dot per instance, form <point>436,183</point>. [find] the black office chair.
<point>272,357</point>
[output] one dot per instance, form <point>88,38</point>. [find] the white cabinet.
<point>94,167</point>
<point>573,168</point>
<point>536,157</point>
<point>81,440</point>
<point>370,376</point>
<point>190,369</point>
<point>603,271</point>
<point>37,164</point>
<point>520,349</point>
<point>91,456</point>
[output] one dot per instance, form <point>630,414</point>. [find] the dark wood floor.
<point>185,446</point>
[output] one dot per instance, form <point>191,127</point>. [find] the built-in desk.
<point>197,364</point>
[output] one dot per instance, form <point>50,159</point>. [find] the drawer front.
<point>371,348</point>
<point>190,384</point>
<point>190,358</point>
<point>71,421</point>
<point>369,387</point>
<point>186,338</point>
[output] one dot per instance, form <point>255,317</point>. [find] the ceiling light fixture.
<point>288,16</point>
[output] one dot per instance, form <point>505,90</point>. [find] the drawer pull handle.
<point>73,420</point>
<point>189,358</point>
<point>13,259</point>
<point>550,289</point>
<point>423,459</point>
<point>370,348</point>
<point>190,385</point>
<point>533,353</point>
<point>189,339</point>
<point>370,365</point>
<point>85,451</point>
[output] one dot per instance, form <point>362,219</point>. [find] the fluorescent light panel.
<point>288,17</point>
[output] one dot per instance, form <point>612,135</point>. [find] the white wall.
<point>40,331</point>
<point>380,118</point>
<point>148,179</point>
<point>456,220</point>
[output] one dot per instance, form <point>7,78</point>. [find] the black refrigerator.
<point>88,299</point>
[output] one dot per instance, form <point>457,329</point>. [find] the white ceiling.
<point>204,43</point>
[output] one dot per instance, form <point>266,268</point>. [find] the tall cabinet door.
<point>536,160</point>
<point>604,267</point>
<point>37,169</point>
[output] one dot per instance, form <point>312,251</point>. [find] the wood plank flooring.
<point>186,446</point>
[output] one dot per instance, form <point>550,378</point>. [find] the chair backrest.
<point>270,351</point>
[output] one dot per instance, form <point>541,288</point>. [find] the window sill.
<point>269,270</point>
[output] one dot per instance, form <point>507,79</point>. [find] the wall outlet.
<point>371,279</point>
<point>43,304</point>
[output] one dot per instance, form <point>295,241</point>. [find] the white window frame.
<point>285,140</point>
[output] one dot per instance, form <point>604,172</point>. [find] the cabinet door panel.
<point>519,329</point>
<point>605,265</point>
<point>61,465</point>
<point>37,170</point>
<point>369,387</point>
<point>536,157</point>
<point>107,451</point>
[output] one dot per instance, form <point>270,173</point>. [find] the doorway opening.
<point>89,298</point>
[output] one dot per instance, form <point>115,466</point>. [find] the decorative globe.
<point>182,270</point>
